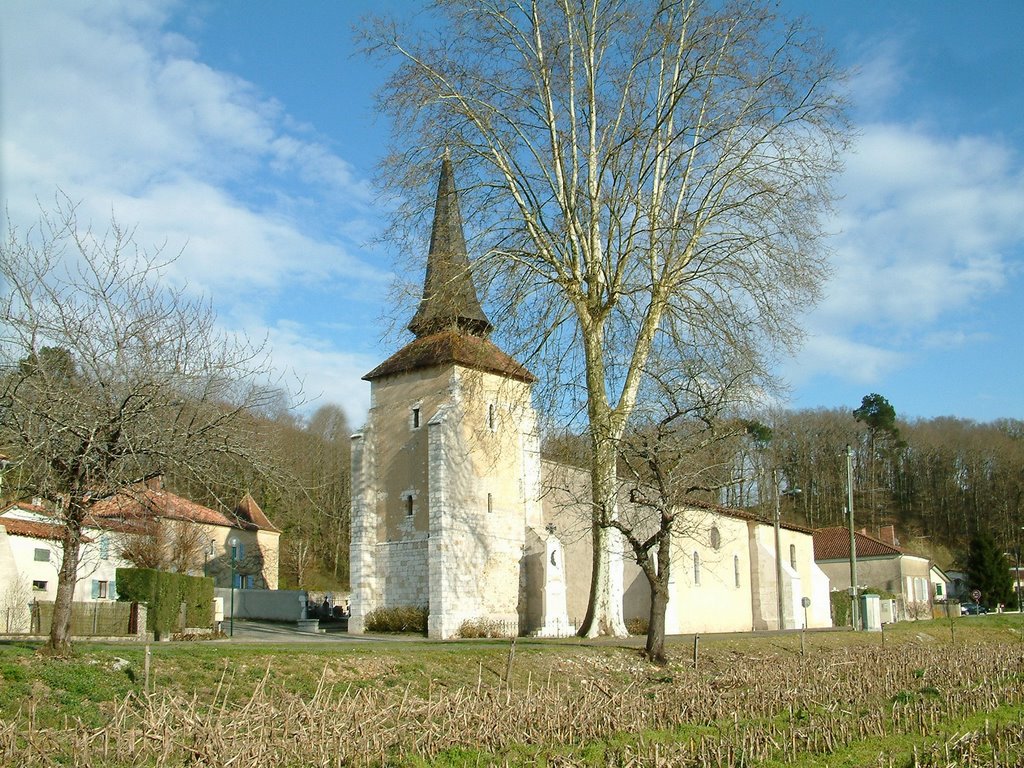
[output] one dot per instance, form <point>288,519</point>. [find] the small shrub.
<point>403,618</point>
<point>637,625</point>
<point>473,628</point>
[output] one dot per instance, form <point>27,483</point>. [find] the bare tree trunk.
<point>60,626</point>
<point>655,648</point>
<point>604,610</point>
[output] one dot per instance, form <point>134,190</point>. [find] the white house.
<point>242,545</point>
<point>30,559</point>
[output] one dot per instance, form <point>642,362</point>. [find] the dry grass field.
<point>921,694</point>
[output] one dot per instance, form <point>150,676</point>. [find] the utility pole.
<point>778,549</point>
<point>855,603</point>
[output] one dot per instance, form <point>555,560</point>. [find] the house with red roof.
<point>144,526</point>
<point>30,558</point>
<point>152,527</point>
<point>881,563</point>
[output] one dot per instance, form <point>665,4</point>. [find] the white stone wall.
<point>477,511</point>
<point>362,568</point>
<point>716,604</point>
<point>405,563</point>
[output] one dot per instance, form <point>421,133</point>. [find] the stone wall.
<point>404,567</point>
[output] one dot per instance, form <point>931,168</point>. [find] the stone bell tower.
<point>446,473</point>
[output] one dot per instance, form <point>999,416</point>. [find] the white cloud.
<point>826,354</point>
<point>101,101</point>
<point>928,229</point>
<point>927,223</point>
<point>878,76</point>
<point>328,375</point>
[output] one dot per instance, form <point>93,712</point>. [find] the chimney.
<point>887,533</point>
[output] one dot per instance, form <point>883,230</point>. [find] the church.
<point>454,509</point>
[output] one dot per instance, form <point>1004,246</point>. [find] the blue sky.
<point>244,133</point>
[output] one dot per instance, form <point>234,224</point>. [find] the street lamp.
<point>4,464</point>
<point>234,553</point>
<point>1020,595</point>
<point>778,545</point>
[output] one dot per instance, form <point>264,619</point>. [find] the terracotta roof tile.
<point>746,514</point>
<point>34,530</point>
<point>149,502</point>
<point>834,544</point>
<point>249,511</point>
<point>450,347</point>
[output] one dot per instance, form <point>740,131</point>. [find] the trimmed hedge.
<point>163,593</point>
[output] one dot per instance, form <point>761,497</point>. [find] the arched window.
<point>792,555</point>
<point>736,568</point>
<point>716,537</point>
<point>696,569</point>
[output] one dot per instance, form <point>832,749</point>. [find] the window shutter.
<point>95,589</point>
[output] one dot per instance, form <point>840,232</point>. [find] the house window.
<point>490,503</point>
<point>736,568</point>
<point>100,590</point>
<point>104,548</point>
<point>408,505</point>
<point>39,586</point>
<point>696,569</point>
<point>416,417</point>
<point>792,555</point>
<point>716,537</point>
<point>938,590</point>
<point>237,550</point>
<point>41,555</point>
<point>490,416</point>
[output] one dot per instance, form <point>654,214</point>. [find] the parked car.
<point>972,609</point>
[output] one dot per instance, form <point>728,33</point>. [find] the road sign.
<point>976,594</point>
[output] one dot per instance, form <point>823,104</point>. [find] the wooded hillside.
<point>939,480</point>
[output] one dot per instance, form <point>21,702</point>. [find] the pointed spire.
<point>449,299</point>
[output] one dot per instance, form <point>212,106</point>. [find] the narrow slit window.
<point>416,418</point>
<point>408,505</point>
<point>792,555</point>
<point>736,568</point>
<point>696,569</point>
<point>490,503</point>
<point>490,416</point>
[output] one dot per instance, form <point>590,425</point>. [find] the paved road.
<point>249,631</point>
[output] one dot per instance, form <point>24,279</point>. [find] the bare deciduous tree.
<point>14,602</point>
<point>111,375</point>
<point>176,546</point>
<point>644,178</point>
<point>673,462</point>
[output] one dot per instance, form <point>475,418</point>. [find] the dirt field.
<point>928,694</point>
